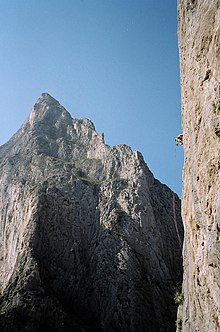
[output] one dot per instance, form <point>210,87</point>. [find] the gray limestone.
<point>199,45</point>
<point>88,236</point>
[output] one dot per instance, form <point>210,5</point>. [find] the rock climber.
<point>179,139</point>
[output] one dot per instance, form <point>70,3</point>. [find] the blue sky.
<point>112,61</point>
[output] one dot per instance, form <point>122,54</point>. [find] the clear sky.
<point>112,61</point>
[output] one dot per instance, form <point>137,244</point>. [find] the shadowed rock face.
<point>88,238</point>
<point>199,45</point>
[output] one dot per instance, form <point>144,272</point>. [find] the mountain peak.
<point>47,98</point>
<point>47,109</point>
<point>51,130</point>
<point>78,217</point>
<point>46,95</point>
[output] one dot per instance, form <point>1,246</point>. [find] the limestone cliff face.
<point>88,240</point>
<point>199,46</point>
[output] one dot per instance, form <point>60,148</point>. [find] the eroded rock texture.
<point>88,239</point>
<point>199,45</point>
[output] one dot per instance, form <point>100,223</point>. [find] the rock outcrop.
<point>88,237</point>
<point>199,46</point>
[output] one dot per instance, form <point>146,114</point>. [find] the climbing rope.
<point>174,205</point>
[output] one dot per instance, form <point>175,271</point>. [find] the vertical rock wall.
<point>199,40</point>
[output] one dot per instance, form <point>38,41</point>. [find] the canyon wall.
<point>199,47</point>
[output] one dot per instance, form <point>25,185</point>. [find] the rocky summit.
<point>90,240</point>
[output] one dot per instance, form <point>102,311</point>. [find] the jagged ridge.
<point>88,236</point>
